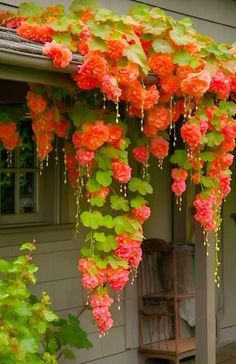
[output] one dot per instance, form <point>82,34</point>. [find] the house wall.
<point>58,249</point>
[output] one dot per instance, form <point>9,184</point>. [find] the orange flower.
<point>36,33</point>
<point>161,65</point>
<point>36,103</point>
<point>196,84</point>
<point>94,135</point>
<point>159,147</point>
<point>60,53</point>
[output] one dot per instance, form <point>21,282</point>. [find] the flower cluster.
<point>60,54</point>
<point>9,135</point>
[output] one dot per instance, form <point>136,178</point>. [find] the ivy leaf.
<point>184,58</point>
<point>68,354</point>
<point>162,46</point>
<point>63,38</point>
<point>104,178</point>
<point>105,243</point>
<point>138,202</point>
<point>29,344</point>
<point>123,225</point>
<point>92,219</point>
<point>81,113</point>
<point>136,54</point>
<point>119,203</point>
<point>208,182</point>
<point>93,186</point>
<point>116,263</point>
<point>27,246</point>
<point>30,9</point>
<point>206,156</point>
<point>138,185</point>
<point>85,252</point>
<point>110,152</point>
<point>180,36</point>
<point>72,334</point>
<point>78,5</point>
<point>97,44</point>
<point>156,27</point>
<point>101,30</point>
<point>97,201</point>
<point>214,139</point>
<point>180,157</point>
<point>102,160</point>
<point>108,222</point>
<point>219,50</point>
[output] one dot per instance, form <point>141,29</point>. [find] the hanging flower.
<point>196,84</point>
<point>191,134</point>
<point>36,33</point>
<point>205,212</point>
<point>142,213</point>
<point>121,171</point>
<point>100,303</point>
<point>118,279</point>
<point>178,186</point>
<point>161,65</point>
<point>36,103</point>
<point>159,147</point>
<point>84,156</point>
<point>220,84</point>
<point>158,119</point>
<point>126,74</point>
<point>179,173</point>
<point>116,48</point>
<point>170,84</point>
<point>93,136</point>
<point>141,154</point>
<point>109,87</point>
<point>60,53</point>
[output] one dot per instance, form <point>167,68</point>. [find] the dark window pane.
<point>7,191</point>
<point>27,150</point>
<point>7,158</point>
<point>27,193</point>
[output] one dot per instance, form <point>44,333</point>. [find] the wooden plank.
<point>205,301</point>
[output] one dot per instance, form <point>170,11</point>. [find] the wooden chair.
<point>159,319</point>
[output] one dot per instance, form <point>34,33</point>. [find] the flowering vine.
<point>144,74</point>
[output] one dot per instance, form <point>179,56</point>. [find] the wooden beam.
<point>205,301</point>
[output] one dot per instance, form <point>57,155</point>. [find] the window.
<point>21,186</point>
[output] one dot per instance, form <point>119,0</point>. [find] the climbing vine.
<point>147,84</point>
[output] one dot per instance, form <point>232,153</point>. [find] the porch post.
<point>205,301</point>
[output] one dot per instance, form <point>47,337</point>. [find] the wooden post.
<point>205,301</point>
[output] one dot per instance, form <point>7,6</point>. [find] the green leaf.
<point>180,157</point>
<point>85,252</point>
<point>139,185</point>
<point>97,44</point>
<point>5,266</point>
<point>123,225</point>
<point>226,107</point>
<point>136,54</point>
<point>214,139</point>
<point>137,202</point>
<point>4,339</point>
<point>110,152</point>
<point>162,46</point>
<point>208,182</point>
<point>93,186</point>
<point>50,315</point>
<point>206,156</point>
<point>184,58</point>
<point>116,263</point>
<point>219,50</point>
<point>78,5</point>
<point>29,344</point>
<point>180,36</point>
<point>119,203</point>
<point>102,160</point>
<point>68,354</point>
<point>81,113</point>
<point>101,30</point>
<point>155,27</point>
<point>108,222</point>
<point>104,178</point>
<point>71,334</point>
<point>92,219</point>
<point>186,21</point>
<point>27,246</point>
<point>63,38</point>
<point>52,346</point>
<point>97,201</point>
<point>30,9</point>
<point>105,243</point>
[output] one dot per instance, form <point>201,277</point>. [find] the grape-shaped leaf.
<point>91,219</point>
<point>72,334</point>
<point>162,46</point>
<point>180,157</point>
<point>123,225</point>
<point>136,54</point>
<point>119,203</point>
<point>102,160</point>
<point>30,9</point>
<point>97,201</point>
<point>108,222</point>
<point>78,5</point>
<point>214,139</point>
<point>138,202</point>
<point>104,178</point>
<point>105,243</point>
<point>97,44</point>
<point>138,185</point>
<point>208,182</point>
<point>180,36</point>
<point>206,156</point>
<point>184,58</point>
<point>93,186</point>
<point>116,263</point>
